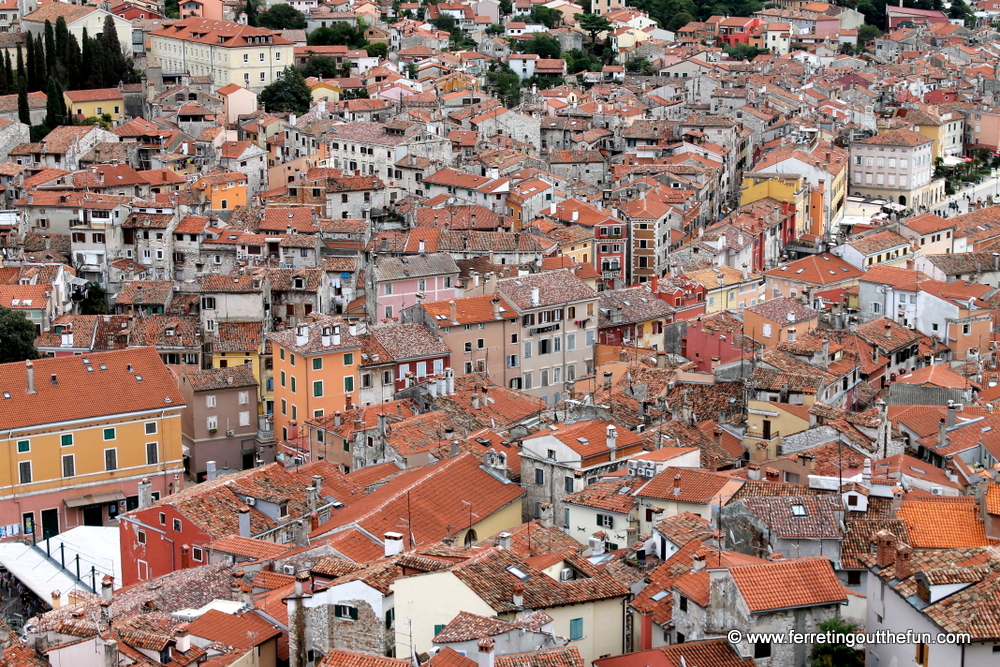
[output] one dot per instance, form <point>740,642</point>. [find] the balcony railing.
<point>759,434</point>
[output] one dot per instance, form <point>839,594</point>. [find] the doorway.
<point>767,429</point>
<point>92,516</point>
<point>50,523</point>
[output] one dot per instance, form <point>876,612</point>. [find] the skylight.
<point>659,596</point>
<point>517,572</point>
<point>798,510</point>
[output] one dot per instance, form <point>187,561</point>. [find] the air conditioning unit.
<point>937,490</point>
<point>230,433</point>
<point>251,501</point>
<point>566,574</point>
<point>288,569</point>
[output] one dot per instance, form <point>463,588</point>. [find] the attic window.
<point>659,596</point>
<point>517,572</point>
<point>138,378</point>
<point>6,394</point>
<point>798,510</point>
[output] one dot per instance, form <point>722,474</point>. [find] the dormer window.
<point>798,510</point>
<point>299,283</point>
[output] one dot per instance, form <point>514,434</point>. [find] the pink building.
<point>400,282</point>
<point>712,340</point>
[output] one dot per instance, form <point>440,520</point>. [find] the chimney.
<point>698,562</point>
<point>612,440</point>
<point>888,328</point>
<point>485,656</point>
<point>897,502</point>
<point>301,533</point>
<point>312,498</point>
<point>348,405</point>
<point>336,419</point>
<point>185,556</point>
<point>421,247</point>
<point>110,653</point>
<point>942,438</point>
<point>210,473</point>
<point>182,639</point>
<point>952,412</point>
<point>393,544</point>
<point>536,296</point>
<point>244,516</point>
<point>336,335</point>
<point>677,485</point>
<point>607,380</point>
<point>107,583</point>
<point>496,307</point>
<point>866,473</point>
<point>30,370</point>
<point>504,540</point>
<point>453,311</point>
<point>885,549</point>
<point>904,564</point>
<point>517,595</point>
<point>449,378</point>
<point>575,216</point>
<point>301,335</point>
<point>56,596</point>
<point>825,360</point>
<point>475,399</point>
<point>145,493</point>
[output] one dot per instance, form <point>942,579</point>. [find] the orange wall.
<point>299,371</point>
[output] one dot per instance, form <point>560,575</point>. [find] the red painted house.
<point>685,296</point>
<point>417,353</point>
<point>263,502</point>
<point>713,340</point>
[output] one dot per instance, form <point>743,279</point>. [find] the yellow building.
<point>784,187</point>
<point>237,343</point>
<point>223,191</point>
<point>81,433</point>
<point>726,287</point>
<point>229,52</point>
<point>325,90</point>
<point>95,103</point>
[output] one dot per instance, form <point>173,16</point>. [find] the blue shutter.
<point>576,629</point>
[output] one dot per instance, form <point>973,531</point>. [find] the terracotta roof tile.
<point>695,486</point>
<point>338,658</point>
<point>238,630</point>
<point>943,525</point>
<point>788,584</point>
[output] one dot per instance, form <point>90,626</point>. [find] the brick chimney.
<point>517,594</point>
<point>904,564</point>
<point>885,549</point>
<point>185,556</point>
<point>677,485</point>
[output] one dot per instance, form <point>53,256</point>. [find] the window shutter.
<point>353,613</point>
<point>600,519</point>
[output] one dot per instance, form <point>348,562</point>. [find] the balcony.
<point>760,434</point>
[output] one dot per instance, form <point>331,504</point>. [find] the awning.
<point>95,499</point>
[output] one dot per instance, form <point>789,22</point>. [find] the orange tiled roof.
<point>943,525</point>
<point>786,584</point>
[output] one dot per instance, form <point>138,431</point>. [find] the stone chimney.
<point>942,438</point>
<point>393,544</point>
<point>110,653</point>
<point>312,497</point>
<point>517,595</point>
<point>607,380</point>
<point>244,517</point>
<point>952,414</point>
<point>904,564</point>
<point>185,556</point>
<point>866,473</point>
<point>453,311</point>
<point>107,584</point>
<point>885,549</point>
<point>145,493</point>
<point>698,562</point>
<point>301,531</point>
<point>897,502</point>
<point>29,368</point>
<point>503,540</point>
<point>485,655</point>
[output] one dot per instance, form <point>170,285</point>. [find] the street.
<point>989,187</point>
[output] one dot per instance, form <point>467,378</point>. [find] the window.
<point>111,459</point>
<point>527,349</point>
<point>317,388</point>
<point>854,578</point>
<point>346,612</point>
<point>575,629</point>
<point>24,471</point>
<point>293,384</point>
<point>141,537</point>
<point>318,363</point>
<point>245,418</point>
<point>605,521</point>
<point>762,649</point>
<point>684,603</point>
<point>539,476</point>
<point>480,343</point>
<point>966,329</point>
<point>923,652</point>
<point>244,397</point>
<point>69,465</point>
<point>349,359</point>
<point>291,359</point>
<point>349,383</point>
<point>568,484</point>
<point>767,331</point>
<point>387,289</point>
<point>263,77</point>
<point>23,446</point>
<point>210,401</point>
<point>571,341</point>
<point>163,519</point>
<point>198,554</point>
<point>281,378</point>
<point>212,423</point>
<point>66,439</point>
<point>208,302</point>
<point>152,453</point>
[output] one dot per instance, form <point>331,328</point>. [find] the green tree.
<point>547,16</point>
<point>40,74</point>
<point>377,50</point>
<point>86,59</point>
<point>62,56</point>
<point>867,33</point>
<point>23,110</point>
<point>679,21</point>
<point>55,105</point>
<point>50,49</point>
<point>18,336</point>
<point>337,34</point>
<point>506,84</point>
<point>412,71</point>
<point>578,61</point>
<point>117,66</point>
<point>288,94</point>
<point>495,29</point>
<point>835,655</point>
<point>93,302</point>
<point>593,24</point>
<point>960,10</point>
<point>506,7</point>
<point>743,51</point>
<point>445,22</point>
<point>8,74</point>
<point>39,132</point>
<point>322,67</point>
<point>21,73</point>
<point>282,17</point>
<point>250,9</point>
<point>173,9</point>
<point>544,44</point>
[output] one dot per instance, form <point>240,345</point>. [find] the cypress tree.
<point>20,63</point>
<point>251,11</point>
<point>50,49</point>
<point>72,64</point>
<point>55,105</point>
<point>86,66</point>
<point>112,52</point>
<point>4,81</point>
<point>23,111</point>
<point>62,44</point>
<point>41,73</point>
<point>31,65</point>
<point>8,74</point>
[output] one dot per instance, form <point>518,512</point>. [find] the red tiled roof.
<point>788,584</point>
<point>237,630</point>
<point>338,658</point>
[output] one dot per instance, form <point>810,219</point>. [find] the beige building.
<point>228,52</point>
